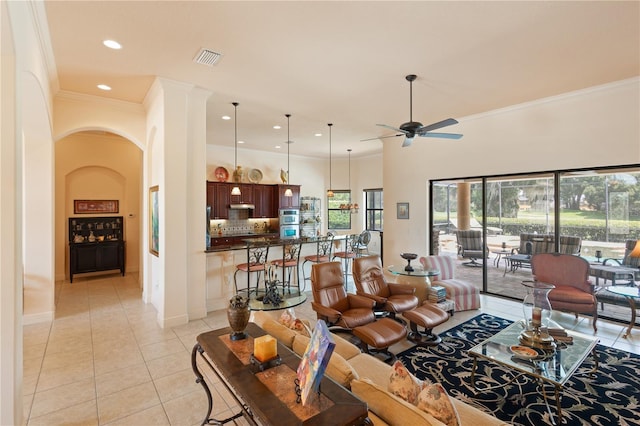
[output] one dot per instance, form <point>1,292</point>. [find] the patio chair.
<point>630,259</point>
<point>470,246</point>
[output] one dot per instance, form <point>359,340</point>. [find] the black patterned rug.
<point>610,397</point>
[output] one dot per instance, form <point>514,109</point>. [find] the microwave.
<point>290,231</point>
<point>289,217</point>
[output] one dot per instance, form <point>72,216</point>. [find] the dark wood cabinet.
<point>264,199</point>
<point>285,202</point>
<point>246,194</point>
<point>222,198</point>
<point>96,244</point>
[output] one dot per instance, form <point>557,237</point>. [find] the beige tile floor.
<point>105,361</point>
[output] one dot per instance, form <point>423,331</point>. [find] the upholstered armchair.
<point>569,274</point>
<point>332,303</point>
<point>370,282</point>
<point>464,293</point>
<point>470,246</point>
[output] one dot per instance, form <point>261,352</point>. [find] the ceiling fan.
<point>411,129</point>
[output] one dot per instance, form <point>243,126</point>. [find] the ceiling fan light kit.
<point>411,128</point>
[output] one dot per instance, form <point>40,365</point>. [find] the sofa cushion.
<point>372,368</point>
<point>345,348</point>
<point>434,400</point>
<point>403,384</point>
<point>390,408</point>
<point>283,334</point>
<point>338,368</point>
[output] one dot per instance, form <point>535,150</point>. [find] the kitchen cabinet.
<point>264,199</point>
<point>289,202</point>
<point>246,194</point>
<point>222,198</point>
<point>96,244</point>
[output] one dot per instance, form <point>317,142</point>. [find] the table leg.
<point>632,304</point>
<point>197,349</point>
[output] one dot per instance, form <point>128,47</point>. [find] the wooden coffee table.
<point>269,396</point>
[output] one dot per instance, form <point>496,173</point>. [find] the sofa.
<point>368,377</point>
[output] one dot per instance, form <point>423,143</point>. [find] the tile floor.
<point>105,361</point>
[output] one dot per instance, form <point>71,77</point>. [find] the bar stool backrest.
<point>257,254</point>
<point>325,246</point>
<point>292,250</point>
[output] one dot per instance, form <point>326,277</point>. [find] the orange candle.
<point>537,317</point>
<point>264,348</point>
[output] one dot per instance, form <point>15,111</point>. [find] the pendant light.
<point>236,189</point>
<point>330,190</point>
<point>351,207</point>
<point>288,192</point>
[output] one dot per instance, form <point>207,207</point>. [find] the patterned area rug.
<point>610,397</point>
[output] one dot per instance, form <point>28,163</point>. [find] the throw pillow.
<point>289,320</point>
<point>403,384</point>
<point>434,400</point>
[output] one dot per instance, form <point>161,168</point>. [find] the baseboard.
<point>174,321</point>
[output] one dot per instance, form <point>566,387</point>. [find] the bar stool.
<point>349,253</point>
<point>256,263</point>
<point>324,246</point>
<point>290,260</point>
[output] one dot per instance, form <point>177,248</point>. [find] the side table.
<point>418,278</point>
<point>269,396</point>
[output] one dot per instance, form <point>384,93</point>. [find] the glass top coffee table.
<point>553,368</point>
<point>632,293</point>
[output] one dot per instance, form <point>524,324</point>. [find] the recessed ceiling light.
<point>318,134</point>
<point>104,87</point>
<point>278,147</point>
<point>226,117</point>
<point>112,44</point>
<point>277,127</point>
<point>240,141</point>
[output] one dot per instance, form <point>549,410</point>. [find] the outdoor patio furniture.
<point>630,259</point>
<point>532,244</point>
<point>470,246</point>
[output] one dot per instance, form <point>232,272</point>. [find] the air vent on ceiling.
<point>207,57</point>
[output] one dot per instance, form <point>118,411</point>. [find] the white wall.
<point>599,126</point>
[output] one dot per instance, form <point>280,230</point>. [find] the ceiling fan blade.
<point>407,142</point>
<point>395,129</point>
<point>438,125</point>
<point>441,135</point>
<point>382,137</point>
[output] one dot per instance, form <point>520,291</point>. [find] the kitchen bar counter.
<point>240,241</point>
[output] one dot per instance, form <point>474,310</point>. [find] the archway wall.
<point>103,167</point>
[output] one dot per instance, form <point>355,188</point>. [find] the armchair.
<point>569,274</point>
<point>332,303</point>
<point>470,246</point>
<point>389,298</point>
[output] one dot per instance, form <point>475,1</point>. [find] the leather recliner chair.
<point>390,298</point>
<point>331,301</point>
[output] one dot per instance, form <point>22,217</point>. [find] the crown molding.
<point>84,98</point>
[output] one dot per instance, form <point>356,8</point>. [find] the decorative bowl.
<point>409,256</point>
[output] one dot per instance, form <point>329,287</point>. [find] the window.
<point>339,218</point>
<point>374,206</point>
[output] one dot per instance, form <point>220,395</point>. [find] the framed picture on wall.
<point>403,210</point>
<point>154,226</point>
<point>95,206</point>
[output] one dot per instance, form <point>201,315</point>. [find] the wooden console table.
<point>269,397</point>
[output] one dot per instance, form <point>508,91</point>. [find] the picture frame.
<point>95,206</point>
<point>154,225</point>
<point>314,361</point>
<point>403,210</point>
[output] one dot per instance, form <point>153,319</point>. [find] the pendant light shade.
<point>288,192</point>
<point>330,190</point>
<point>236,189</point>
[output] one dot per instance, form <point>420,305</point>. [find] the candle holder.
<point>598,255</point>
<point>537,311</point>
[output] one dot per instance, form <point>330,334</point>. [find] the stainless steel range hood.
<point>242,206</point>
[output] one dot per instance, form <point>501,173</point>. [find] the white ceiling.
<point>344,62</point>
